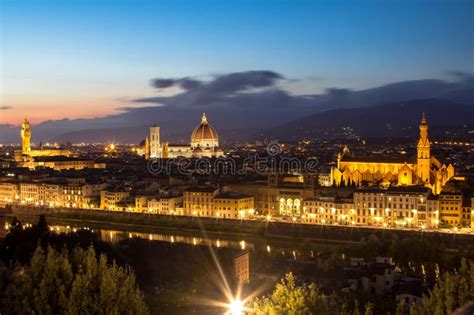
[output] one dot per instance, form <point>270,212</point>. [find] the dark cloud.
<point>5,107</point>
<point>162,83</point>
<point>238,89</point>
<point>258,90</point>
<point>189,84</point>
<point>464,77</point>
<point>241,81</point>
<point>460,74</point>
<point>185,83</point>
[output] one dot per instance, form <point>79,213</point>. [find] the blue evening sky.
<point>97,53</point>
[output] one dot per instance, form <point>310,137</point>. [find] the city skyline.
<point>86,60</point>
<point>237,157</point>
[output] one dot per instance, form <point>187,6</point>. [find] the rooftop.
<point>380,159</point>
<point>232,195</point>
<point>207,189</point>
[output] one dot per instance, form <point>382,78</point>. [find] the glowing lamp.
<point>236,307</point>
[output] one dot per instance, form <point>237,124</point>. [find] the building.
<point>450,208</point>
<point>242,267</point>
<point>400,207</point>
<point>9,193</point>
<point>204,143</point>
<point>379,279</point>
<point>422,169</point>
<point>370,206</point>
<point>210,202</point>
<point>59,163</point>
<point>412,207</point>
<point>233,205</point>
<point>30,193</point>
<point>115,199</point>
<point>199,201</point>
<point>154,143</point>
<point>166,205</point>
<point>472,213</point>
<point>281,194</point>
<point>329,210</point>
<point>54,158</point>
<point>27,151</point>
<point>467,213</point>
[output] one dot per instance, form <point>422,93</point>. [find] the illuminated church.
<point>204,143</point>
<point>422,169</point>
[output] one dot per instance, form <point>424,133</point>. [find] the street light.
<point>236,307</point>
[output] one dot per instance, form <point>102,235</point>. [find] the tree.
<point>16,224</point>
<point>72,283</point>
<point>452,290</point>
<point>42,226</point>
<point>288,298</point>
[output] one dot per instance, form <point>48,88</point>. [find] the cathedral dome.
<point>204,131</point>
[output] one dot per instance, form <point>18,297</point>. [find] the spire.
<point>203,119</point>
<point>345,151</point>
<point>423,119</point>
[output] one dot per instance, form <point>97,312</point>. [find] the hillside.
<point>390,120</point>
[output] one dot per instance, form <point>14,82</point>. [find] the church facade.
<point>423,169</point>
<point>204,143</point>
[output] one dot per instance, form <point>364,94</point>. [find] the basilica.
<point>422,169</point>
<point>204,143</point>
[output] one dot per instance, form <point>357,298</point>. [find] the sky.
<point>84,59</point>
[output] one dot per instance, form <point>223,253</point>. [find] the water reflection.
<point>290,251</point>
<point>114,236</point>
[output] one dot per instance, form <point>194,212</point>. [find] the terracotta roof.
<point>204,131</point>
<point>380,159</point>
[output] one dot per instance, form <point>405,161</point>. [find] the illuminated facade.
<point>165,205</point>
<point>230,205</point>
<point>9,193</point>
<point>402,207</point>
<point>59,163</point>
<point>450,208</point>
<point>210,202</point>
<point>199,201</point>
<point>281,194</point>
<point>69,195</point>
<point>114,199</point>
<point>26,150</point>
<point>57,159</point>
<point>329,210</point>
<point>423,169</point>
<point>204,143</point>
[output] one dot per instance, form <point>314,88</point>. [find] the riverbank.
<point>231,228</point>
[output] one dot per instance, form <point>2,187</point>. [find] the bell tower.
<point>25,136</point>
<point>423,153</point>
<point>155,147</point>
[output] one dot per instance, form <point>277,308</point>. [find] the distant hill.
<point>389,120</point>
<point>269,111</point>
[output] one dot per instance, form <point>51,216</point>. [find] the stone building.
<point>204,143</point>
<point>422,169</point>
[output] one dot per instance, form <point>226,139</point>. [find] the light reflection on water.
<point>115,236</point>
<point>289,252</point>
